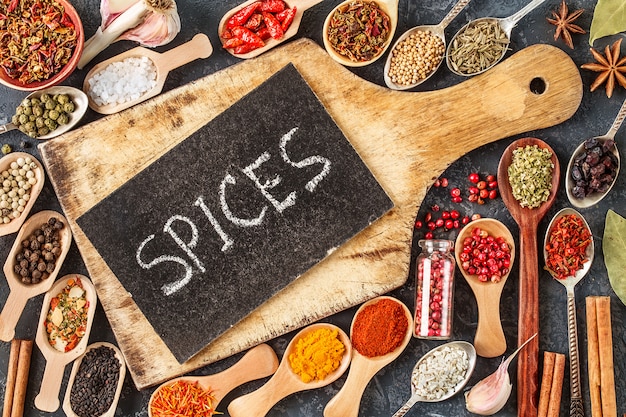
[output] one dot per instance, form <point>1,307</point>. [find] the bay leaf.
<point>614,248</point>
<point>609,18</point>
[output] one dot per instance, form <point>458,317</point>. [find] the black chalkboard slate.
<point>239,209</point>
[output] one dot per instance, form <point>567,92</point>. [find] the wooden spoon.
<point>528,315</point>
<point>198,47</point>
<point>489,340</point>
<point>48,397</point>
<point>67,405</point>
<point>78,98</point>
<point>285,382</point>
<point>347,401</point>
<point>300,5</point>
<point>20,292</point>
<point>390,7</point>
<point>258,362</point>
<point>593,198</point>
<point>5,164</point>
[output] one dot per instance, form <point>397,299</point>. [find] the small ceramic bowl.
<point>67,406</point>
<point>66,70</point>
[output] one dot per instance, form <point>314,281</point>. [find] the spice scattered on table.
<point>530,175</point>
<point>486,256</point>
<point>611,66</point>
<point>122,81</point>
<point>415,58</point>
<point>317,354</point>
<point>17,182</point>
<point>477,47</point>
<point>95,382</point>
<point>359,30</point>
<point>566,247</point>
<point>38,116</point>
<point>38,39</point>
<point>594,169</point>
<point>183,398</point>
<point>37,257</point>
<point>379,328</point>
<point>440,372</point>
<point>564,22</point>
<point>66,321</point>
<point>249,28</point>
<point>434,294</point>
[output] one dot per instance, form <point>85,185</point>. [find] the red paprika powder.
<point>379,328</point>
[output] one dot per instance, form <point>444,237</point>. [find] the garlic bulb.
<point>490,395</point>
<point>150,22</point>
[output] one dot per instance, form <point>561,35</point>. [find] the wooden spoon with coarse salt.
<point>198,47</point>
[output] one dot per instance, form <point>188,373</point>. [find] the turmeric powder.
<point>317,354</point>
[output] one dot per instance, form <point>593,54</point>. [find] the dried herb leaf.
<point>614,247</point>
<point>609,18</point>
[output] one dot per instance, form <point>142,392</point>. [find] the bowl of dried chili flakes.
<point>41,43</point>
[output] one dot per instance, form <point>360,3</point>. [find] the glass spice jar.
<point>434,290</point>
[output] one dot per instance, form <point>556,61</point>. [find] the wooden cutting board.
<point>407,139</point>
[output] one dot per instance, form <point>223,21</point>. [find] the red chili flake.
<point>567,245</point>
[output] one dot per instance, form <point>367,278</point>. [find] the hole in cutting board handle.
<point>537,86</point>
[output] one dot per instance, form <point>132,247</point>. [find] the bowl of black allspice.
<point>95,383</point>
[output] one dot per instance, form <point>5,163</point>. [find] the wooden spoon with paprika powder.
<point>374,347</point>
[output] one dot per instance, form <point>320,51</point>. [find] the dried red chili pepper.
<point>286,17</point>
<point>566,246</point>
<point>273,6</point>
<point>247,36</point>
<point>242,16</point>
<point>273,25</point>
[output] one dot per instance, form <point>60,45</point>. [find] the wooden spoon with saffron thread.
<point>528,314</point>
<point>300,5</point>
<point>258,362</point>
<point>347,401</point>
<point>285,381</point>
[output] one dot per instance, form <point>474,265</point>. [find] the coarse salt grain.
<point>122,81</point>
<point>440,372</point>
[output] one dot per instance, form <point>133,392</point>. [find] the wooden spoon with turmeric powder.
<point>372,350</point>
<point>316,339</point>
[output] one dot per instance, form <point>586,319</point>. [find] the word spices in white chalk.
<point>264,187</point>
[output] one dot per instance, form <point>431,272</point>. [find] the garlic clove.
<point>490,394</point>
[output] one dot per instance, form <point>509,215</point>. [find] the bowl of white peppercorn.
<point>96,381</point>
<point>22,180</point>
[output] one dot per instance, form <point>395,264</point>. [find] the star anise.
<point>564,22</point>
<point>611,67</point>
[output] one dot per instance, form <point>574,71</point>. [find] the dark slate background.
<point>263,258</point>
<point>390,388</point>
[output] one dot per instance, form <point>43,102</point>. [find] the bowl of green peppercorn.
<point>50,112</point>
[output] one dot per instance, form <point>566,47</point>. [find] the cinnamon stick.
<point>546,383</point>
<point>556,390</point>
<point>593,357</point>
<point>21,381</point>
<point>11,376</point>
<point>605,343</point>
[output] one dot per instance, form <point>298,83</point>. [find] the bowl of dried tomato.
<point>51,50</point>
